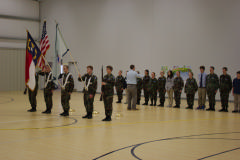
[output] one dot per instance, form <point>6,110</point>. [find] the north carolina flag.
<point>32,55</point>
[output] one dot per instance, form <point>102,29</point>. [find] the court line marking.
<point>220,153</point>
<point>164,139</point>
<point>115,124</point>
<point>27,120</point>
<point>134,148</point>
<point>60,126</point>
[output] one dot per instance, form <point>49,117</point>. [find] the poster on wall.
<point>183,71</point>
<point>164,68</point>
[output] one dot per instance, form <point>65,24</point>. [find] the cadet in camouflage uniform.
<point>153,89</point>
<point>225,89</point>
<point>32,95</point>
<point>108,92</point>
<point>212,85</point>
<point>67,89</point>
<point>119,86</point>
<point>139,89</point>
<point>177,87</point>
<point>146,86</point>
<point>190,89</point>
<point>89,90</point>
<point>162,88</point>
<point>48,87</point>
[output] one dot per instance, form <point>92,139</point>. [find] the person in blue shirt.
<point>202,88</point>
<point>236,93</point>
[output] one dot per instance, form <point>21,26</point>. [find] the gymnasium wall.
<point>147,33</point>
<point>16,16</point>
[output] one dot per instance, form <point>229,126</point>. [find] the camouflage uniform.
<point>153,91</point>
<point>65,96</point>
<point>139,89</point>
<point>225,88</point>
<point>178,86</point>
<point>119,87</point>
<point>190,89</point>
<point>33,94</point>
<point>92,88</point>
<point>162,89</point>
<point>146,88</point>
<point>48,90</point>
<point>108,92</point>
<point>212,85</point>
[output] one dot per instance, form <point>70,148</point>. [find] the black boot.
<point>151,102</point>
<point>86,116</point>
<point>177,106</point>
<point>146,103</point>
<point>213,107</point>
<point>222,110</point>
<point>138,103</point>
<point>210,108</point>
<point>47,111</point>
<point>226,108</point>
<point>33,109</point>
<point>108,118</point>
<point>90,115</point>
<point>155,103</point>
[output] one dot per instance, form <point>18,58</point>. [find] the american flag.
<point>44,45</point>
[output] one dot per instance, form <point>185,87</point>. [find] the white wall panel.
<point>12,69</point>
<point>20,8</point>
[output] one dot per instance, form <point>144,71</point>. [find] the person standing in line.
<point>66,90</point>
<point>139,89</point>
<point>212,85</point>
<point>178,86</point>
<point>190,89</point>
<point>89,90</point>
<point>132,76</point>
<point>119,86</point>
<point>162,88</point>
<point>169,87</point>
<point>146,84</point>
<point>225,89</point>
<point>108,92</point>
<point>236,93</point>
<point>48,88</point>
<point>153,89</point>
<point>202,88</point>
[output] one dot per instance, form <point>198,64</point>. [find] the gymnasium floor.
<point>152,133</point>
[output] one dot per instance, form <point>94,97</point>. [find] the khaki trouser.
<point>237,102</point>
<point>170,96</point>
<point>132,96</point>
<point>202,96</point>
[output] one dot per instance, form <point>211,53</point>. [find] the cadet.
<point>236,93</point>
<point>89,90</point>
<point>48,87</point>
<point>177,87</point>
<point>119,86</point>
<point>108,91</point>
<point>67,89</point>
<point>212,85</point>
<point>225,89</point>
<point>32,95</point>
<point>153,89</point>
<point>139,89</point>
<point>146,84</point>
<point>162,88</point>
<point>190,89</point>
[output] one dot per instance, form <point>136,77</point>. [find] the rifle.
<point>102,87</point>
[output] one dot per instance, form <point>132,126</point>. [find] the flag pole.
<point>51,69</point>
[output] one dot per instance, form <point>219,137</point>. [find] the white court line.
<point>28,120</point>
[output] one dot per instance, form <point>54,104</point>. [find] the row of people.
<point>207,84</point>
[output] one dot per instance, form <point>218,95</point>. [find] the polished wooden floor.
<point>152,133</point>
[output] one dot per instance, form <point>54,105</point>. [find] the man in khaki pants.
<point>202,88</point>
<point>236,93</point>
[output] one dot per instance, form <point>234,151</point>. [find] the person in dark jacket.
<point>190,89</point>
